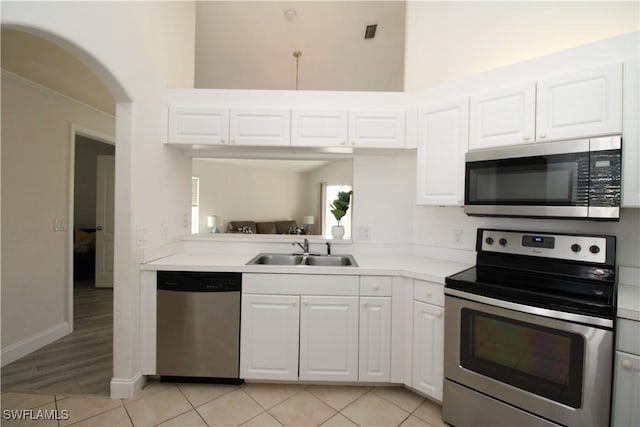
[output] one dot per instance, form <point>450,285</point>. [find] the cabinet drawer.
<point>628,340</point>
<point>373,286</point>
<point>300,284</point>
<point>428,292</point>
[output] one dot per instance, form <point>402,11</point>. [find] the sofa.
<point>266,227</point>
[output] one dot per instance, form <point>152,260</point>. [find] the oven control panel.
<point>560,246</point>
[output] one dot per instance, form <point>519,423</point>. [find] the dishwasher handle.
<point>199,281</point>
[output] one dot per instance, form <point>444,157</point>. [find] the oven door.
<point>556,369</point>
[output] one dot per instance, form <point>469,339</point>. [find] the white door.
<point>442,142</point>
<point>376,129</point>
<point>585,103</point>
<point>329,338</point>
<point>319,128</point>
<point>105,191</point>
<point>375,339</point>
<point>503,117</point>
<point>428,349</point>
<point>260,126</point>
<point>269,337</point>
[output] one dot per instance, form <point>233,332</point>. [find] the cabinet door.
<point>586,103</point>
<point>261,126</point>
<point>376,129</point>
<point>329,338</point>
<point>428,349</point>
<point>269,337</point>
<point>198,125</point>
<point>502,117</point>
<point>375,339</point>
<point>626,394</point>
<point>319,128</point>
<point>442,143</point>
<point>631,136</point>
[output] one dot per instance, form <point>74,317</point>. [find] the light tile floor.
<point>201,405</point>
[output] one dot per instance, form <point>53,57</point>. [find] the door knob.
<point>99,228</point>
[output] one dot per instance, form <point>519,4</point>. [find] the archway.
<point>124,124</point>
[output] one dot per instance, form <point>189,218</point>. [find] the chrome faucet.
<point>304,246</point>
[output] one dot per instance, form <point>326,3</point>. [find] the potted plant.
<point>339,209</point>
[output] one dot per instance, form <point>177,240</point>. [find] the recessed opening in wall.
<point>266,196</point>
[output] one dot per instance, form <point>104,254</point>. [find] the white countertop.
<point>421,268</point>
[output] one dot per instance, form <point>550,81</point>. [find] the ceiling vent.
<point>370,31</point>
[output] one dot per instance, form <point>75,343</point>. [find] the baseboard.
<point>126,388</point>
<point>30,344</point>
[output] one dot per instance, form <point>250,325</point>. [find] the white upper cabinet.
<point>319,128</point>
<point>260,126</point>
<point>503,117</point>
<point>198,125</point>
<point>376,129</point>
<point>580,104</point>
<point>442,143</point>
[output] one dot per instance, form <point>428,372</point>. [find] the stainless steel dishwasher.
<point>198,325</point>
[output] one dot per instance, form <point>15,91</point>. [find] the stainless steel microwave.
<point>564,179</point>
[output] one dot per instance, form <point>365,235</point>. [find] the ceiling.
<point>250,45</point>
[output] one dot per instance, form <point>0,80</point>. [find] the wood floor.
<point>80,363</point>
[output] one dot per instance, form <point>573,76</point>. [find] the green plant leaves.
<point>340,206</point>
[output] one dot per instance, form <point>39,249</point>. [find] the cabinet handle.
<point>305,302</point>
<point>353,142</point>
<point>626,364</point>
<point>427,294</point>
<point>233,141</point>
<point>439,314</point>
<point>526,137</point>
<point>543,135</point>
<point>365,303</point>
<point>376,286</point>
<point>294,303</point>
<point>343,142</point>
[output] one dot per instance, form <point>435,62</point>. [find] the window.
<point>195,205</point>
<point>329,194</point>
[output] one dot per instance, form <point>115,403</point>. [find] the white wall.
<point>36,174</point>
<point>447,40</point>
<point>252,193</point>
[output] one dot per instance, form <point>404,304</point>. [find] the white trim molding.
<point>126,388</point>
<point>30,344</point>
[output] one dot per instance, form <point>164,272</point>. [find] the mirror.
<point>255,196</point>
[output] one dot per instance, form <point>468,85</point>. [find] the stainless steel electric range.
<point>529,331</point>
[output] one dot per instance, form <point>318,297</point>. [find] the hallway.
<point>77,364</point>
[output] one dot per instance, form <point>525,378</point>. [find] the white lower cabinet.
<point>626,411</point>
<point>269,336</point>
<point>375,339</point>
<point>626,387</point>
<point>329,338</point>
<point>428,349</point>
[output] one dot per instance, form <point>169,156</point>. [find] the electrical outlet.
<point>364,232</point>
<point>457,237</point>
<point>141,236</point>
<point>185,221</point>
<point>164,233</point>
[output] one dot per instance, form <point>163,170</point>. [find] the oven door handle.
<point>539,311</point>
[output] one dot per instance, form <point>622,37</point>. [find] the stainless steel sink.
<point>315,260</point>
